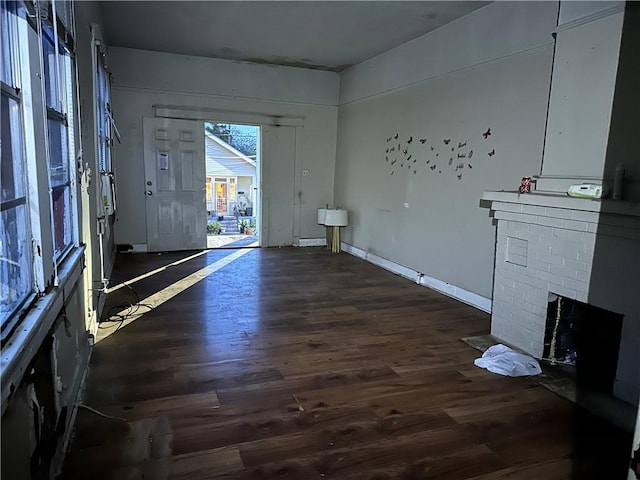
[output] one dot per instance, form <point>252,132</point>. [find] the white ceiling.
<point>326,35</point>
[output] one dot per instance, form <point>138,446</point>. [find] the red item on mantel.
<point>525,185</point>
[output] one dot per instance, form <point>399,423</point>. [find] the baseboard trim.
<point>311,242</point>
<point>139,248</point>
<point>465,296</point>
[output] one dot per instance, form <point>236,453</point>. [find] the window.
<point>103,116</point>
<point>15,257</point>
<point>58,96</point>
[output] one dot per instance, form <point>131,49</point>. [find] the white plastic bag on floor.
<point>503,360</point>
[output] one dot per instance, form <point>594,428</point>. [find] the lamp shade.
<point>336,218</point>
<point>322,212</point>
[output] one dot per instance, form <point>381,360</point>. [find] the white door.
<point>278,171</point>
<point>174,184</point>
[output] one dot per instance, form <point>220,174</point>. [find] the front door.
<point>174,184</point>
<point>222,197</point>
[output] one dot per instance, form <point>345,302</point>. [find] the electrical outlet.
<point>405,205</point>
<point>305,173</point>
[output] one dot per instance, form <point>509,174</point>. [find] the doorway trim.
<point>264,121</point>
<point>229,116</point>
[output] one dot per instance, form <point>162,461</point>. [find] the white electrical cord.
<point>99,413</point>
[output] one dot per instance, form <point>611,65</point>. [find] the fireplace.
<point>586,338</point>
<point>586,252</point>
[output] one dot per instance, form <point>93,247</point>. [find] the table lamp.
<point>336,218</point>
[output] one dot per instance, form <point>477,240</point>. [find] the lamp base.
<point>335,240</point>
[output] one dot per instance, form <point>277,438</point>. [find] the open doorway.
<point>232,169</point>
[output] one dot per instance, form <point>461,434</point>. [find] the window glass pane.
<point>58,152</point>
<point>61,218</point>
<point>15,264</point>
<point>5,73</point>
<point>64,13</point>
<point>50,71</point>
<point>11,166</point>
<point>70,97</point>
<point>104,123</point>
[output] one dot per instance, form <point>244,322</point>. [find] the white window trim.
<point>33,198</point>
<point>60,257</point>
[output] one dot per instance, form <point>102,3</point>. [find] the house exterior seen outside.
<point>230,179</point>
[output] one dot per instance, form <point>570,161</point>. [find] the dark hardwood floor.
<point>299,363</point>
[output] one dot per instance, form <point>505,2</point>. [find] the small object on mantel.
<point>525,185</point>
<point>587,190</point>
<point>618,180</point>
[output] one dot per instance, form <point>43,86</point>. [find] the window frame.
<point>14,93</point>
<point>25,49</point>
<point>104,132</point>
<point>60,112</point>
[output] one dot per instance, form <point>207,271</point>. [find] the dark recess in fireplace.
<point>586,337</point>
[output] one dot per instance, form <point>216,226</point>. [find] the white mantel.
<point>586,250</point>
<point>564,201</point>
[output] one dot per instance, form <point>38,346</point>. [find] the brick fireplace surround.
<point>586,250</point>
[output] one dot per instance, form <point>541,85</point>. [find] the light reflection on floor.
<point>157,299</point>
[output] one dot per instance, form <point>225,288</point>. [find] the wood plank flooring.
<point>302,364</point>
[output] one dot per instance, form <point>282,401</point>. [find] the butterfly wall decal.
<point>486,134</point>
<point>492,152</point>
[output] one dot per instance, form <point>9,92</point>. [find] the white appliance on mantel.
<point>585,250</point>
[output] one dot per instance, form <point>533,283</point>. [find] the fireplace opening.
<point>585,338</point>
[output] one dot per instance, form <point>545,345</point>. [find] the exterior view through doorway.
<point>232,184</point>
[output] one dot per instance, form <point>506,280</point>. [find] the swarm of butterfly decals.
<point>404,154</point>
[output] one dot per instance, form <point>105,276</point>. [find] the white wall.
<point>486,34</point>
<point>595,99</point>
<point>143,79</point>
<point>582,93</point>
<point>227,78</point>
<point>489,69</point>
